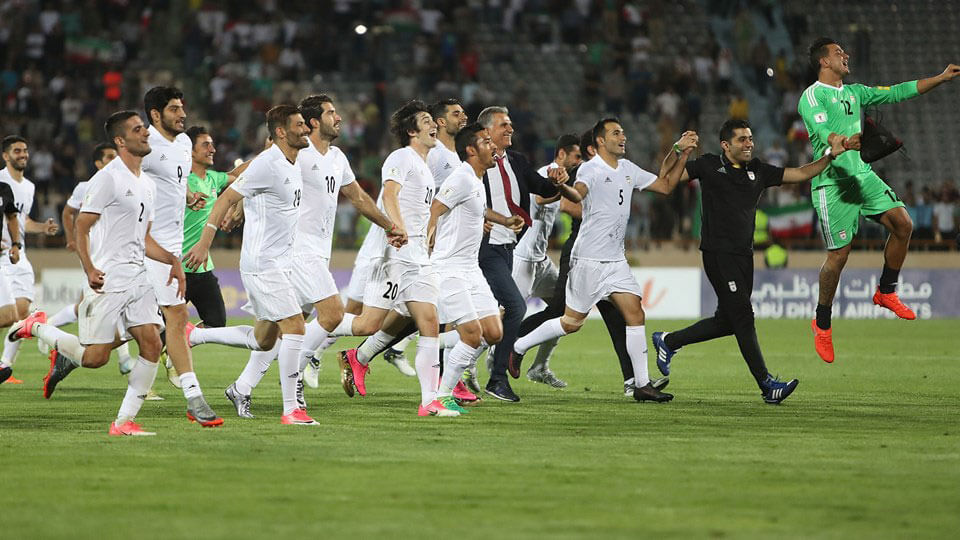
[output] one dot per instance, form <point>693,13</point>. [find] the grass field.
<point>867,447</point>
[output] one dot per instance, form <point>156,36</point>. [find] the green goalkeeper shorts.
<point>840,206</point>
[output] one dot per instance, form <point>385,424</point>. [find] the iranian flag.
<point>794,221</point>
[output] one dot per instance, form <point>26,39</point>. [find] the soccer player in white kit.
<point>8,306</point>
<point>326,173</point>
<point>119,209</point>
<point>533,271</point>
<point>103,154</point>
<point>168,165</point>
<point>19,274</point>
<point>404,282</point>
<point>442,160</point>
<point>456,221</point>
<point>598,266</point>
<point>271,189</point>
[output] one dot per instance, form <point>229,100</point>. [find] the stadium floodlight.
<point>360,29</point>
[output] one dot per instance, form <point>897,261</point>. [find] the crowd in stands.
<point>65,65</point>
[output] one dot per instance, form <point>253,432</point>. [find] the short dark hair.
<point>279,116</point>
<point>566,143</point>
<point>113,127</point>
<point>600,127</point>
<point>467,137</point>
<point>157,98</point>
<point>195,131</point>
<point>818,50</point>
<point>586,139</point>
<point>101,149</point>
<point>439,108</point>
<point>726,130</point>
<point>10,140</point>
<point>312,106</point>
<point>405,120</point>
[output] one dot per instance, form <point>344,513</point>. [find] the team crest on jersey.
<point>393,172</point>
<point>820,118</point>
<point>842,234</point>
<point>834,100</point>
<point>732,285</point>
<point>853,99</point>
<point>751,175</point>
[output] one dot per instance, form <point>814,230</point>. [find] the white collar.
<point>825,85</point>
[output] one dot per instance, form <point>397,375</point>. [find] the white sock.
<point>138,384</point>
<point>327,343</point>
<point>233,336</point>
<point>373,346</point>
<point>124,350</point>
<point>66,315</point>
<point>428,368</point>
<point>637,349</point>
<point>68,344</point>
<point>312,338</point>
<point>190,385</point>
<point>256,368</point>
<point>290,345</point>
<point>10,349</point>
<point>401,345</point>
<point>449,339</point>
<point>345,328</point>
<point>551,329</point>
<point>542,362</point>
<point>461,357</point>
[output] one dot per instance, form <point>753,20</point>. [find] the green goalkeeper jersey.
<point>827,109</point>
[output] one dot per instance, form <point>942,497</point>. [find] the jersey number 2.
<point>140,219</point>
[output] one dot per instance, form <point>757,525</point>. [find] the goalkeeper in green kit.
<point>849,188</point>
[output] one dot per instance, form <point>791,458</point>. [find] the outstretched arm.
<point>368,208</point>
<point>838,145</point>
<point>928,84</point>
<point>673,168</point>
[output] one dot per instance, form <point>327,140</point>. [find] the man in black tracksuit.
<point>731,185</point>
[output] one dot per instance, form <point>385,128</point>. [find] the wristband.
<point>212,226</point>
<point>829,152</point>
<point>676,148</point>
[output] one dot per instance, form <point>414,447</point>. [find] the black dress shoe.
<point>513,364</point>
<point>501,390</point>
<point>649,393</point>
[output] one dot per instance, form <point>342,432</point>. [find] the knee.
<point>175,318</point>
<point>903,226</point>
<point>94,361</point>
<point>428,324</point>
<point>493,335</point>
<point>570,325</point>
<point>365,326</point>
<point>329,318</point>
<point>838,257</point>
<point>470,334</point>
<point>150,347</point>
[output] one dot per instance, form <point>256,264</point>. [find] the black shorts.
<point>203,291</point>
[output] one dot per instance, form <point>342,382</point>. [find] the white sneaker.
<point>399,360</point>
<point>153,396</point>
<point>171,373</point>
<point>311,373</point>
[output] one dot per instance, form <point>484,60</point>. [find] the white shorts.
<point>357,287</point>
<point>104,315</point>
<point>158,273</point>
<point>397,282</point>
<point>535,278</point>
<point>592,281</point>
<point>20,277</point>
<point>312,280</point>
<point>6,293</point>
<point>271,295</point>
<point>464,296</point>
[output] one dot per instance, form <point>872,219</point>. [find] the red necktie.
<point>508,193</point>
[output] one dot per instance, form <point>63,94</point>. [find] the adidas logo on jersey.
<point>163,157</point>
<point>129,193</point>
<point>286,181</point>
<point>447,166</point>
<point>315,167</point>
<point>607,180</point>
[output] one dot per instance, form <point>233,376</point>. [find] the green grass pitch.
<point>867,447</point>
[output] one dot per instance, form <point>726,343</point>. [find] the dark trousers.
<point>732,279</point>
<point>203,291</point>
<point>496,262</point>
<point>612,318</point>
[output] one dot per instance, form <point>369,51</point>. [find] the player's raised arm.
<point>673,169</point>
<point>197,256</point>
<point>838,145</point>
<point>925,85</point>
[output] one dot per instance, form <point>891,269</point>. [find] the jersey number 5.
<point>621,198</point>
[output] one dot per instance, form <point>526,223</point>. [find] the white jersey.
<point>533,245</point>
<point>406,167</point>
<point>76,198</point>
<point>272,188</point>
<point>168,165</point>
<point>125,203</point>
<point>23,200</point>
<point>606,208</point>
<point>460,230</point>
<point>442,162</point>
<point>323,176</point>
